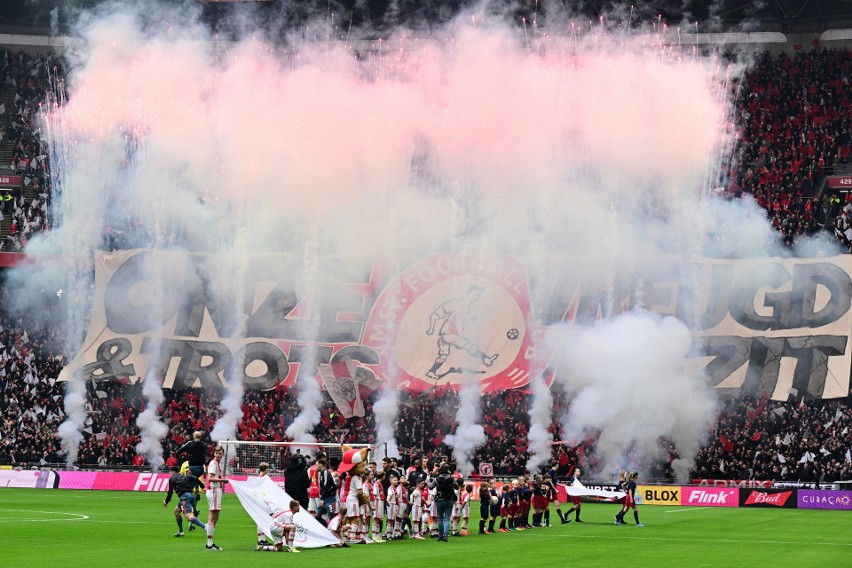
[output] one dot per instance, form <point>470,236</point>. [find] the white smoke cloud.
<point>469,434</point>
<point>631,387</point>
<point>541,418</point>
<point>71,430</point>
<point>386,411</point>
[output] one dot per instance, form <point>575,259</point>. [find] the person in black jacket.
<point>445,486</point>
<point>327,489</point>
<point>195,452</point>
<point>296,479</point>
<point>183,486</point>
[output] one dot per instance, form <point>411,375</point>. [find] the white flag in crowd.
<point>781,458</point>
<point>345,382</point>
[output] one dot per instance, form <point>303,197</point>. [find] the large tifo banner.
<point>770,325</point>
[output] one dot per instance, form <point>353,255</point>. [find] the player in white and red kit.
<point>215,484</point>
<point>378,506</point>
<point>366,510</point>
<point>404,508</point>
<point>314,500</point>
<point>337,527</point>
<point>464,507</point>
<point>432,506</point>
<point>418,503</point>
<point>392,499</point>
<point>283,529</point>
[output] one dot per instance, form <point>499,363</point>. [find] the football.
<point>494,500</point>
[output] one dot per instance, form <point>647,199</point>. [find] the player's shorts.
<point>416,513</point>
<point>379,509</point>
<point>629,501</point>
<point>354,508</point>
<point>197,470</point>
<point>540,502</point>
<point>187,503</point>
<point>214,499</point>
<point>504,511</point>
<point>313,504</point>
<point>575,500</point>
<point>277,532</point>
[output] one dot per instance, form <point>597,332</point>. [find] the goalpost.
<point>243,457</point>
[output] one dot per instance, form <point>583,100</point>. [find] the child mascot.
<point>354,465</point>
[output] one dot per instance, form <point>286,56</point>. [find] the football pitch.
<point>98,528</point>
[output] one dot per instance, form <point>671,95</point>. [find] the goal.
<point>243,457</point>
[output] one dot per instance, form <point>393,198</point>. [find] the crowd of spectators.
<point>793,114</point>
<point>788,441</point>
<point>27,78</point>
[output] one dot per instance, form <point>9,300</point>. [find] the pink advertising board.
<point>710,497</point>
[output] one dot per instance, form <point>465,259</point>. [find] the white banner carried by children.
<point>260,497</point>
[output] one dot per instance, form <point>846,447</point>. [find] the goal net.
<point>243,457</point>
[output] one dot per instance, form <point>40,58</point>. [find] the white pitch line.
<point>686,509</point>
<point>76,516</point>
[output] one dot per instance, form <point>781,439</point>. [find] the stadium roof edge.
<point>836,35</point>
<point>729,38</point>
<point>33,40</point>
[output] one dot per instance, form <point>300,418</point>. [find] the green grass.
<point>92,529</point>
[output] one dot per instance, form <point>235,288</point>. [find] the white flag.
<point>781,458</point>
<point>577,489</point>
<point>261,497</point>
<point>848,456</point>
<point>348,384</point>
<point>780,411</point>
<point>787,440</point>
<point>2,108</point>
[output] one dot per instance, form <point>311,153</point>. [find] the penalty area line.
<point>686,509</point>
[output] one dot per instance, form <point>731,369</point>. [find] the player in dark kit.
<point>629,501</point>
<point>554,494</point>
<point>484,505</point>
<point>494,507</point>
<point>183,486</point>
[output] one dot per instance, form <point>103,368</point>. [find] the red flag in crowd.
<point>726,443</point>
